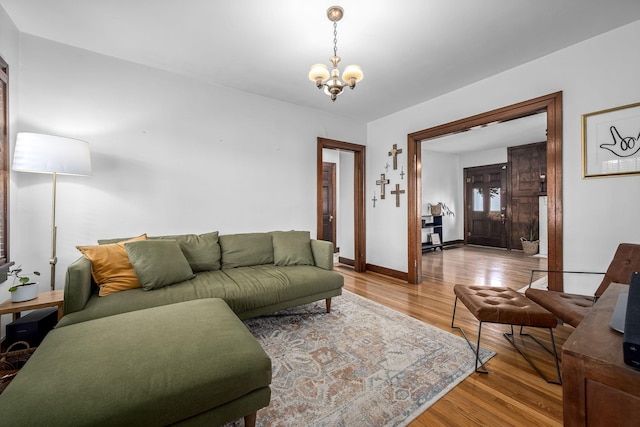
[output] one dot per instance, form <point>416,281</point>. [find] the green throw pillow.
<point>292,248</point>
<point>158,263</point>
<point>202,251</point>
<point>241,250</point>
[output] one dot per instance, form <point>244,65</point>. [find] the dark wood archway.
<point>552,105</point>
<point>359,222</point>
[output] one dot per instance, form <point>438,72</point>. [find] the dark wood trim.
<point>346,261</point>
<point>359,209</point>
<point>5,260</point>
<point>401,275</point>
<point>552,104</point>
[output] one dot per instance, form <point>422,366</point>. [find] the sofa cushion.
<point>249,291</point>
<point>292,248</point>
<point>158,263</point>
<point>110,266</point>
<point>201,250</point>
<point>241,250</point>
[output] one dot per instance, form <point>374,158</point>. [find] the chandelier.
<point>331,81</point>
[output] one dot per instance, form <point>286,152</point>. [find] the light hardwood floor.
<point>511,393</point>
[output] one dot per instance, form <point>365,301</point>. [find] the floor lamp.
<point>40,153</point>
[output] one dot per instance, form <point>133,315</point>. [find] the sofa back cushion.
<point>292,248</point>
<point>242,250</point>
<point>201,250</point>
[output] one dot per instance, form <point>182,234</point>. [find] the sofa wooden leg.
<point>328,300</point>
<point>250,420</point>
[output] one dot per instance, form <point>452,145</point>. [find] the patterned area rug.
<point>361,365</point>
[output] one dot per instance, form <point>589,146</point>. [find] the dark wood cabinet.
<point>599,389</point>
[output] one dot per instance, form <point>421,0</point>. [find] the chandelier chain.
<point>335,38</point>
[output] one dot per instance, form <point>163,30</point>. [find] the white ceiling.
<point>410,50</point>
<point>525,130</point>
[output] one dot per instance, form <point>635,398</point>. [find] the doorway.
<point>486,205</point>
<point>552,105</point>
<point>359,224</point>
<point>329,215</point>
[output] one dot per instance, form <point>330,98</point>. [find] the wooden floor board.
<point>511,393</point>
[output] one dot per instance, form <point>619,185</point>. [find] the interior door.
<point>486,205</point>
<point>329,203</point>
<point>527,164</point>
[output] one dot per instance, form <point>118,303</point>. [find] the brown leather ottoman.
<point>503,305</point>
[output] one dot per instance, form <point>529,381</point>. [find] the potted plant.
<point>25,289</point>
<point>530,243</point>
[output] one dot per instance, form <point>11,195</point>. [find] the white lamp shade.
<point>352,71</point>
<point>319,71</point>
<point>40,153</point>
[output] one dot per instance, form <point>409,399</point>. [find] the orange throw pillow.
<point>110,266</point>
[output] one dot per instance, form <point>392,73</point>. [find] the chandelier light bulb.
<point>319,74</point>
<point>352,75</point>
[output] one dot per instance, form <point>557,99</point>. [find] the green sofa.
<point>174,351</point>
<point>254,273</point>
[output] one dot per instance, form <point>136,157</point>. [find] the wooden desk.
<point>44,300</point>
<point>599,389</point>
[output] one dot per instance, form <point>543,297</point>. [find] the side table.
<point>44,300</point>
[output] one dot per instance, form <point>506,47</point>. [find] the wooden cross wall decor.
<point>397,192</point>
<point>394,152</point>
<point>382,182</point>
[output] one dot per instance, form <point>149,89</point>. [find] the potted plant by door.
<point>25,289</point>
<point>530,243</point>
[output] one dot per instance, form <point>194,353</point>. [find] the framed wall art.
<point>611,142</point>
<point>435,239</point>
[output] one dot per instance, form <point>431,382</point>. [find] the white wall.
<point>591,79</point>
<point>170,155</point>
<point>441,177</point>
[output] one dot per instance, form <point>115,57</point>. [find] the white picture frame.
<point>435,239</point>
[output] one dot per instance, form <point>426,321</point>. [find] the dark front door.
<point>329,203</point>
<point>486,205</point>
